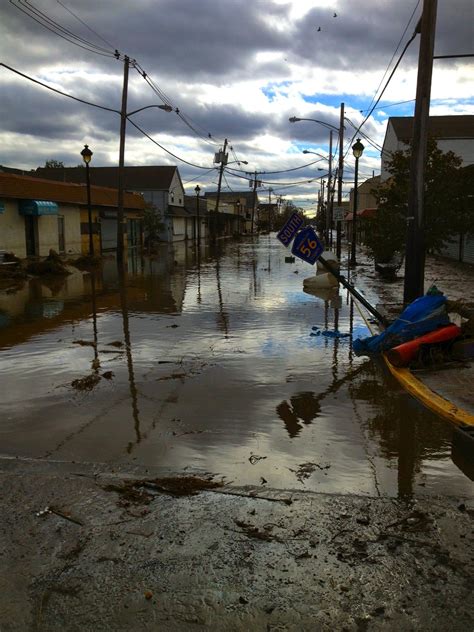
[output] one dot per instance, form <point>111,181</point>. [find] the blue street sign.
<point>289,230</point>
<point>307,245</point>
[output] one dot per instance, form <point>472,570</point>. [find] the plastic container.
<point>406,352</point>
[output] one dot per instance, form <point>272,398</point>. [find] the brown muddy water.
<point>211,363</point>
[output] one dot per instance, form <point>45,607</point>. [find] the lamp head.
<point>357,149</point>
<point>166,108</point>
<point>86,154</point>
<point>294,119</point>
<point>197,188</point>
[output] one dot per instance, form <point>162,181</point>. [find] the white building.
<point>452,133</point>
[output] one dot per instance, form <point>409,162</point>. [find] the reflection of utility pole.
<point>123,124</point>
<point>128,353</point>
<point>255,183</point>
<point>221,157</point>
<point>415,246</point>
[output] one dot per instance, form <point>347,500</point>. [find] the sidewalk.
<point>452,381</point>
<point>227,559</point>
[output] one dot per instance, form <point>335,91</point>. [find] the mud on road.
<point>79,555</point>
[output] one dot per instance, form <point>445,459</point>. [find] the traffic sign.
<point>307,245</point>
<point>289,230</point>
<point>339,213</point>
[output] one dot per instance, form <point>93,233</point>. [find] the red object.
<point>404,353</point>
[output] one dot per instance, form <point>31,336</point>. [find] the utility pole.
<point>223,161</point>
<point>415,246</point>
<point>123,124</point>
<point>340,170</point>
<point>330,186</point>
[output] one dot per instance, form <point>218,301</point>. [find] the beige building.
<point>37,215</point>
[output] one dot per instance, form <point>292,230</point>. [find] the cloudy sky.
<point>235,69</point>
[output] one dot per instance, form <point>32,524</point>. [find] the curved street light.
<point>86,154</point>
<point>197,189</point>
<point>296,119</point>
<point>357,150</point>
<point>166,108</point>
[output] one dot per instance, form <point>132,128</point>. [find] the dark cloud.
<point>184,44</point>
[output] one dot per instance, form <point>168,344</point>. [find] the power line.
<point>394,53</point>
<point>51,25</point>
<point>85,24</point>
<point>164,148</point>
<point>282,171</point>
<point>64,94</point>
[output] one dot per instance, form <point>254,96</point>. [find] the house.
<point>38,214</point>
<point>452,133</point>
<point>160,186</point>
<point>266,215</point>
<point>366,208</point>
<point>234,215</point>
<point>197,215</point>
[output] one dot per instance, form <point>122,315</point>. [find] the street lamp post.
<point>357,150</point>
<point>86,154</point>
<point>239,220</point>
<point>340,130</point>
<point>197,188</point>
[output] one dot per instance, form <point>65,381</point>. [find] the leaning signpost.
<point>306,246</point>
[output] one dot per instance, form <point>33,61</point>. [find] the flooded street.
<point>217,363</point>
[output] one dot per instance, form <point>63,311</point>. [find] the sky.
<point>230,69</point>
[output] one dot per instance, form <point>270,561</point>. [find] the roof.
<point>190,205</point>
<point>438,126</point>
<point>233,196</point>
<point>32,188</point>
<point>365,212</point>
<point>155,178</point>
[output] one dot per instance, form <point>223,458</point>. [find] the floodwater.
<point>210,362</point>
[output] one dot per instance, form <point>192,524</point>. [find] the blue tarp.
<point>425,314</point>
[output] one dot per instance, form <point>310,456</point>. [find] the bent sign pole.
<point>343,281</point>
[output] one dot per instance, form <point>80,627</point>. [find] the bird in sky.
<point>319,28</point>
<point>335,15</point>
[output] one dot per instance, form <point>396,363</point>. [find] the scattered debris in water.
<point>254,458</point>
<point>108,375</point>
<point>83,343</point>
<point>305,470</point>
<point>86,383</point>
<point>115,343</point>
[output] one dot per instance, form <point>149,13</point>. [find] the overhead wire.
<point>372,108</point>
<point>86,25</point>
<point>51,25</point>
<point>164,148</point>
<point>64,94</point>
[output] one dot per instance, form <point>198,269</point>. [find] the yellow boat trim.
<point>425,395</point>
<point>429,398</point>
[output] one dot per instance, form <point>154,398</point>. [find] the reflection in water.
<point>128,354</point>
<point>304,407</point>
<point>222,311</point>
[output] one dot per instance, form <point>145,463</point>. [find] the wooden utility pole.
<point>330,186</point>
<point>123,124</point>
<point>415,245</point>
<point>340,170</point>
<point>223,160</point>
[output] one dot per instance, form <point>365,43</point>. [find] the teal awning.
<point>38,207</point>
<point>2,207</point>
